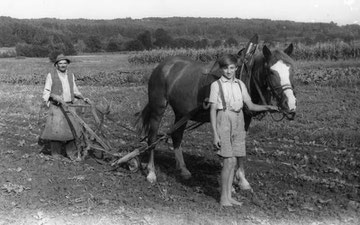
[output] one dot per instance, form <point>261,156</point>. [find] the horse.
<point>184,84</point>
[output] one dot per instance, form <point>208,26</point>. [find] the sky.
<point>341,12</point>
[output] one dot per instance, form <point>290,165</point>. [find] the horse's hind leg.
<point>240,175</point>
<point>240,179</point>
<point>177,137</point>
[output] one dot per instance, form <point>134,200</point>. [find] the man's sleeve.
<point>47,88</point>
<point>77,93</point>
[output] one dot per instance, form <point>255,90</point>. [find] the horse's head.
<point>278,73</point>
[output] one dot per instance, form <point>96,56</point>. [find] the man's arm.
<point>47,88</point>
<point>47,95</point>
<point>77,93</point>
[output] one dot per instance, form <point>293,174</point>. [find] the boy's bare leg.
<point>230,182</point>
<point>225,179</point>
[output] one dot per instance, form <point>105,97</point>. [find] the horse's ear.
<point>289,49</point>
<point>266,51</point>
<point>214,68</point>
<point>241,53</point>
<point>241,56</point>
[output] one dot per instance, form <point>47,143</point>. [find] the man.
<point>61,90</point>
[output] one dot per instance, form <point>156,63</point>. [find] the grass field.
<point>305,171</point>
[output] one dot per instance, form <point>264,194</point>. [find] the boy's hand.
<point>273,108</point>
<point>217,144</point>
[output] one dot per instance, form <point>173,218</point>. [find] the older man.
<point>61,90</point>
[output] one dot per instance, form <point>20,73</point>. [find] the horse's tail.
<point>142,123</point>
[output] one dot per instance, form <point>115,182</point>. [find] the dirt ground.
<point>294,182</point>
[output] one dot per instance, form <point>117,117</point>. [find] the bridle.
<point>277,91</point>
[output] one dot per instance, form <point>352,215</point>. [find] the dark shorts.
<point>230,127</point>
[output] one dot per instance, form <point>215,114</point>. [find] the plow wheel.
<point>134,164</point>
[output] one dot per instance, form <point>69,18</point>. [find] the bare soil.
<point>295,181</point>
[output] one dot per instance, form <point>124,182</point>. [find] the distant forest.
<point>49,36</point>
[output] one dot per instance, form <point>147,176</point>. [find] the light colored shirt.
<point>234,97</point>
<point>66,95</point>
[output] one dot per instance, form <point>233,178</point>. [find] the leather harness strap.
<point>222,96</point>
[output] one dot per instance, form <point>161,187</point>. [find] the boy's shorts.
<point>231,130</point>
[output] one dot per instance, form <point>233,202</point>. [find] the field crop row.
<point>329,76</point>
<point>158,55</point>
<point>319,76</point>
<point>324,51</point>
<point>116,79</point>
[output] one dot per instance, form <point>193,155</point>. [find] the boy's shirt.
<point>234,97</point>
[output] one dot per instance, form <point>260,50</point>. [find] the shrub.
<point>29,50</point>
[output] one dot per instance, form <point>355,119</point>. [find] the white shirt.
<point>66,95</point>
<point>234,97</point>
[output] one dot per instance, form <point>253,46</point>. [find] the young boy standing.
<point>227,96</point>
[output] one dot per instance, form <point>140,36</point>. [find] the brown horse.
<point>185,85</point>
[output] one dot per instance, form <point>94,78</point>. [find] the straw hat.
<point>61,57</point>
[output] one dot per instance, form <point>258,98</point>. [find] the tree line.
<point>49,36</point>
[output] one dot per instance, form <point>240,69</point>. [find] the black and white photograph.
<point>191,112</point>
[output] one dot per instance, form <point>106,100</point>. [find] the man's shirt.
<point>66,95</point>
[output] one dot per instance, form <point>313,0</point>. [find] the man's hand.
<point>57,98</point>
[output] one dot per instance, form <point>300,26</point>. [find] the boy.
<point>227,96</point>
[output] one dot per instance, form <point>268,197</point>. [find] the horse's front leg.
<point>152,137</point>
<point>180,162</point>
<point>151,177</point>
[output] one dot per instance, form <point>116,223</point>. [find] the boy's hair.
<point>227,60</point>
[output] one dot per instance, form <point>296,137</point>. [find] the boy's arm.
<point>214,92</point>
<point>254,107</point>
<point>213,110</point>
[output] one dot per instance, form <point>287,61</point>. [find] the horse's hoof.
<point>244,186</point>
<point>151,177</point>
<point>186,174</point>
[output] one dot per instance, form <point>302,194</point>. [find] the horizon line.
<point>164,17</point>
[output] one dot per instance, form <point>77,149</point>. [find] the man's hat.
<point>61,57</point>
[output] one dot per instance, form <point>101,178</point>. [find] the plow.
<point>92,140</point>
